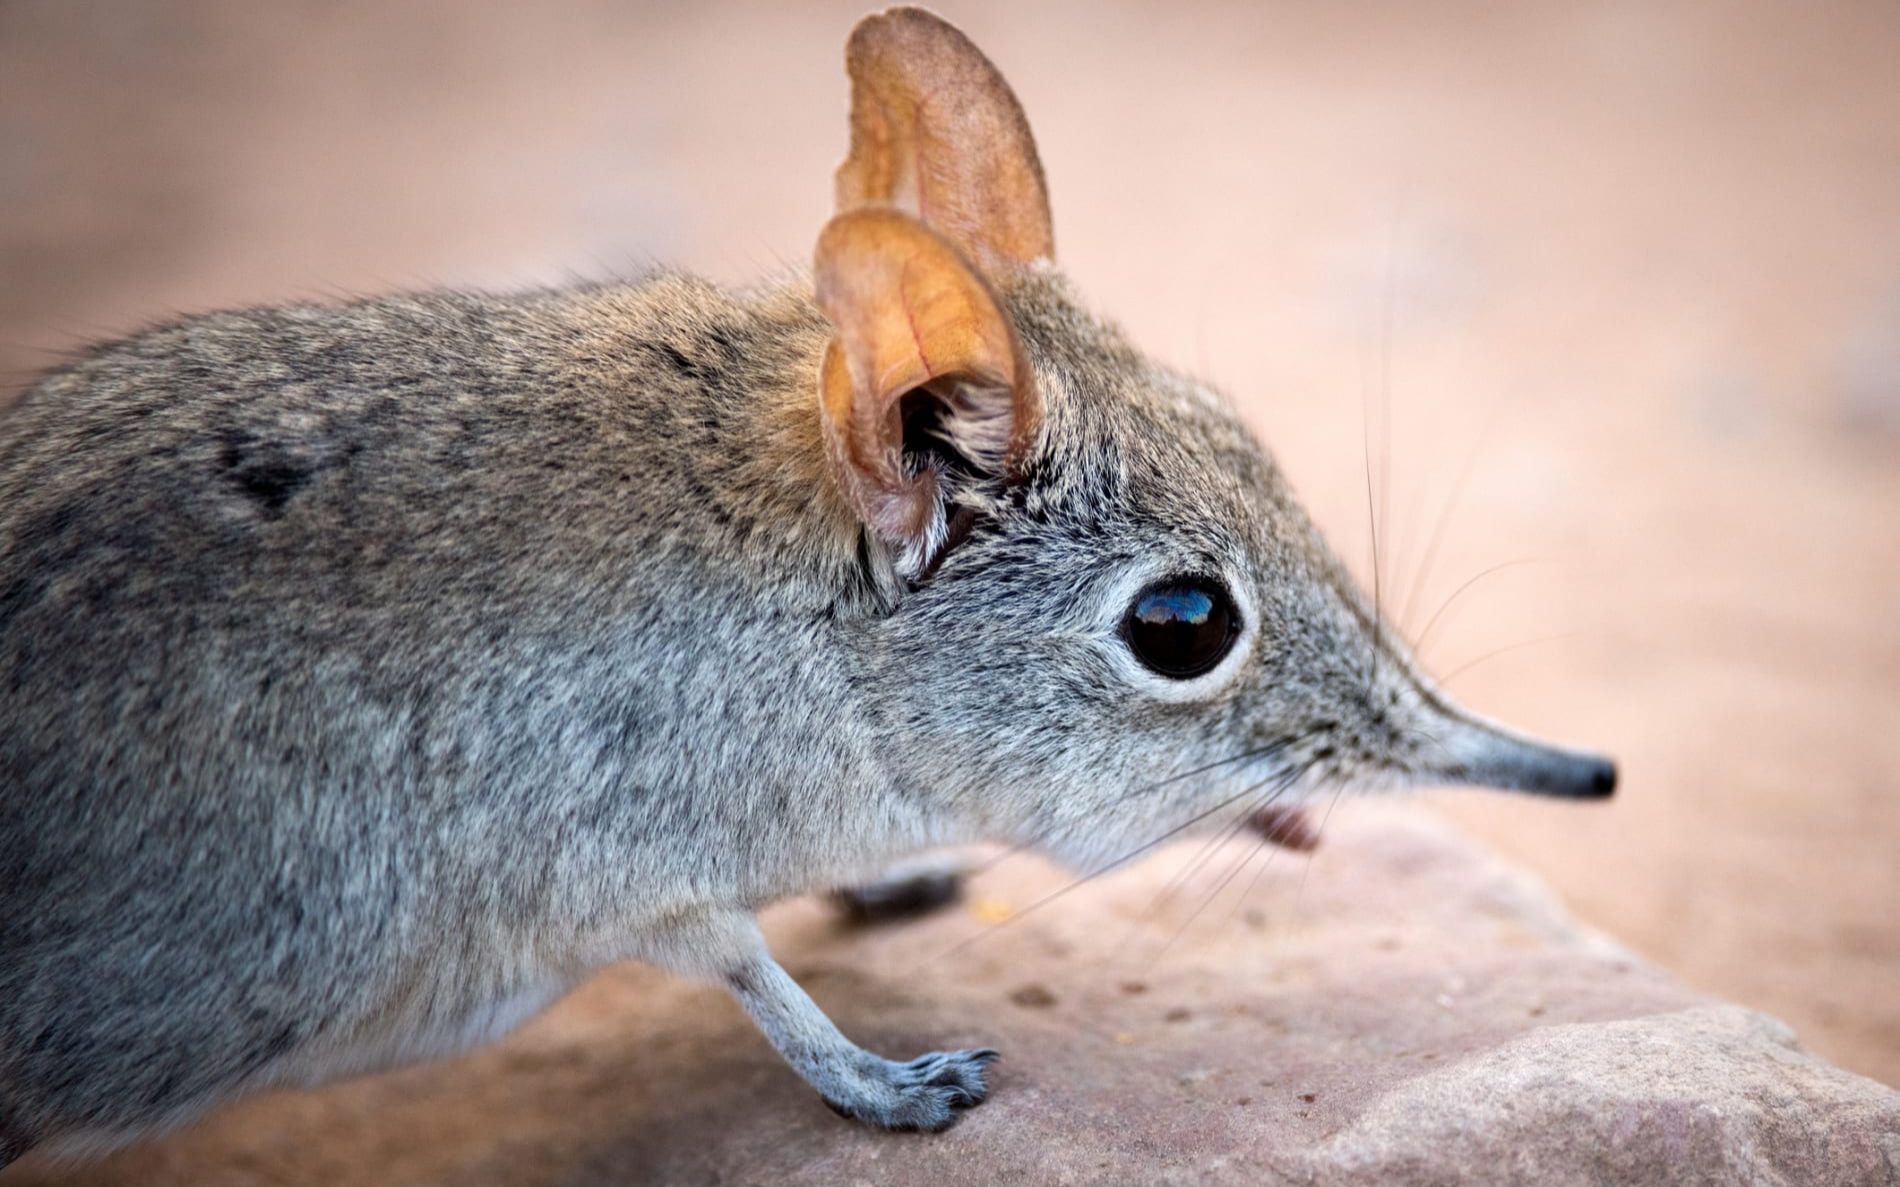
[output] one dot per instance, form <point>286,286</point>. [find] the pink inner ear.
<point>912,314</point>
<point>863,438</point>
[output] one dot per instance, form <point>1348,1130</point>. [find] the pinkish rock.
<point>1405,1011</point>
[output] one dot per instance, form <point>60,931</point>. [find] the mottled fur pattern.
<point>372,673</point>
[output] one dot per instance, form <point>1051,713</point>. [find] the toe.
<point>924,1094</point>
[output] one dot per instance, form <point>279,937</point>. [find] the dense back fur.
<point>344,646</point>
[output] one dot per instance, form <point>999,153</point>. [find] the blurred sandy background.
<point>1631,270</point>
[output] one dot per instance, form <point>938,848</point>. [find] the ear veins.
<point>910,314</point>
<point>937,132</point>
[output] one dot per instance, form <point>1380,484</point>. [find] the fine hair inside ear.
<point>960,433</point>
<point>932,439</point>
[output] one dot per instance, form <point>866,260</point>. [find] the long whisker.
<point>1387,318</point>
<point>1418,644</point>
<point>1264,751</point>
<point>1420,734</point>
<point>1214,844</point>
<point>1260,871</point>
<point>1372,527</point>
<point>1306,872</point>
<point>1241,899</point>
<point>1023,846</point>
<point>1191,867</point>
<point>1287,780</point>
<point>1379,509</point>
<point>1461,669</point>
<point>1117,863</point>
<point>1452,500</point>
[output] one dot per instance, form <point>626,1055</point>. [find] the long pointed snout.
<point>1488,755</point>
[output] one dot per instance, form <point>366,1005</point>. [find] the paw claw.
<point>924,1094</point>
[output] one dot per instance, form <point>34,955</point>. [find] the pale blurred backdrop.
<point>1626,276</point>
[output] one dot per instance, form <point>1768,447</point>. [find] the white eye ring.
<point>1206,686</point>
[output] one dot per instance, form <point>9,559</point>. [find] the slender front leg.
<point>923,1094</point>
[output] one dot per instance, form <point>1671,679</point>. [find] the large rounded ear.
<point>938,134</point>
<point>923,381</point>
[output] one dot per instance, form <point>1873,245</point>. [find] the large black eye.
<point>1182,628</point>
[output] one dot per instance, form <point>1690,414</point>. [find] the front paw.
<point>922,1095</point>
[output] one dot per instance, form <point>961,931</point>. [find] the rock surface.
<point>1640,260</point>
<point>1399,1009</point>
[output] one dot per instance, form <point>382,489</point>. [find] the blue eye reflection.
<point>1183,605</point>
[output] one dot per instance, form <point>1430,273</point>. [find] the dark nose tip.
<point>1600,781</point>
<point>1572,776</point>
<point>1487,755</point>
<point>1518,764</point>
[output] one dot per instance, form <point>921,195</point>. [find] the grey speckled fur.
<point>372,673</point>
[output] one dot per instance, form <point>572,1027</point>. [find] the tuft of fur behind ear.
<point>938,134</point>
